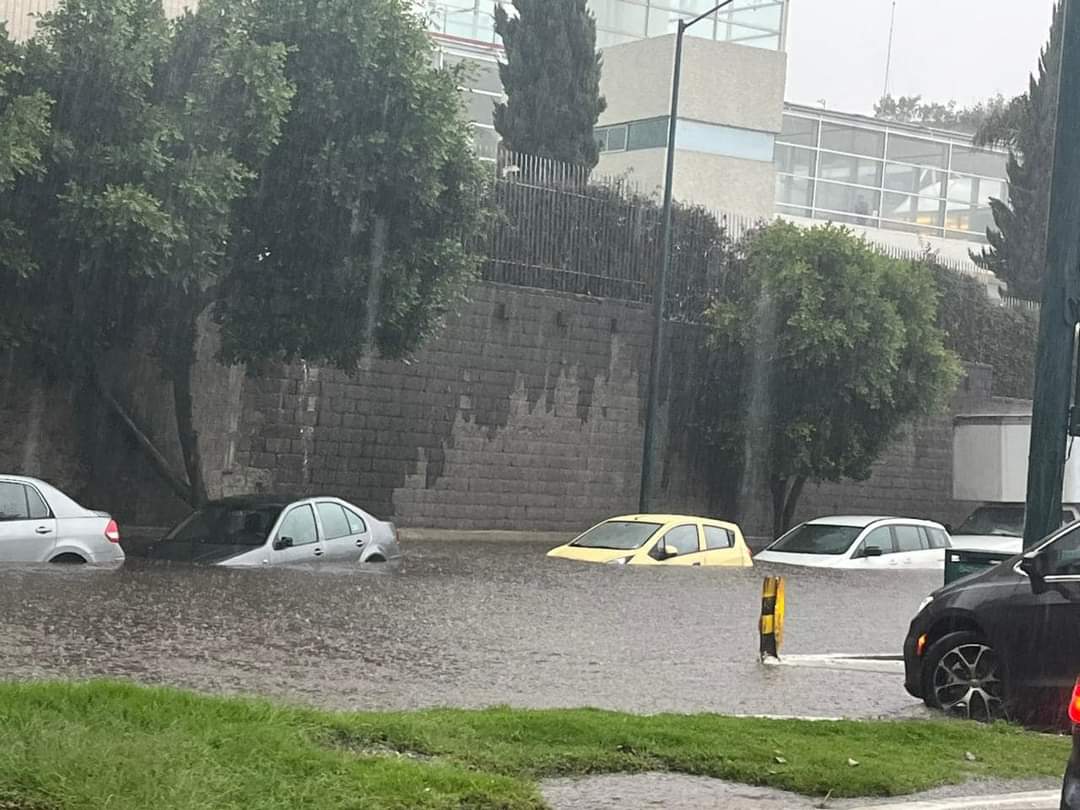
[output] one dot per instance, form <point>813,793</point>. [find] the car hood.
<point>807,560</point>
<point>207,553</point>
<point>988,542</point>
<point>596,555</point>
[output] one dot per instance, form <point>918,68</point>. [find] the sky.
<point>965,50</point>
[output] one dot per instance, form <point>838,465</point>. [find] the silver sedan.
<point>256,530</point>
<point>39,523</point>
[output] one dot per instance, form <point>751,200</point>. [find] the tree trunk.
<point>180,365</point>
<point>785,499</point>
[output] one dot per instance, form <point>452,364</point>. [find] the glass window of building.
<point>621,17</point>
<point>910,208</point>
<point>969,160</point>
<point>853,140</point>
<point>799,131</point>
<point>647,134</point>
<point>864,203</point>
<point>794,195</point>
<point>914,179</point>
<point>921,151</point>
<point>794,160</point>
<point>480,74</point>
<point>848,169</point>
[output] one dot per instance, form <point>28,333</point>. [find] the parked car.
<point>1000,527</point>
<point>659,540</point>
<point>258,530</point>
<point>1001,639</point>
<point>39,523</point>
<point>887,543</point>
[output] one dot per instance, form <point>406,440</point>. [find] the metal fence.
<point>559,228</point>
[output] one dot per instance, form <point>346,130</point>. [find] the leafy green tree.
<point>1017,251</point>
<point>156,130</point>
<point>552,80</point>
<point>824,351</point>
<point>24,132</point>
<point>356,237</point>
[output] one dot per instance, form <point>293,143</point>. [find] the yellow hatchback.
<point>659,540</point>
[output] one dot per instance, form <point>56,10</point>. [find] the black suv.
<point>1006,640</point>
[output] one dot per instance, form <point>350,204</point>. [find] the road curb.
<point>1031,800</point>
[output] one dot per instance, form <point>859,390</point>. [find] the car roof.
<point>663,519</point>
<point>862,521</point>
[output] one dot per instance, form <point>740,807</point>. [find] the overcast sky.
<point>965,50</point>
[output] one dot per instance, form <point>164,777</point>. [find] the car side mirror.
<point>283,543</point>
<point>873,551</point>
<point>667,552</point>
<point>1035,566</point>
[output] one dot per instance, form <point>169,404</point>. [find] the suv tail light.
<point>1074,705</point>
<point>112,532</point>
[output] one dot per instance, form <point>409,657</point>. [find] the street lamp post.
<point>660,290</point>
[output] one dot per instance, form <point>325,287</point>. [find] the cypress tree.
<point>1017,251</point>
<point>552,80</point>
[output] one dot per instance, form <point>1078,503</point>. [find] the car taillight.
<point>112,532</point>
<point>1074,704</point>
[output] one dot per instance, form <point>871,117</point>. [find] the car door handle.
<point>697,563</point>
<point>318,552</point>
<point>43,530</point>
<point>360,543</point>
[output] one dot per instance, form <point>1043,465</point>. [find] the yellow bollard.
<point>771,627</point>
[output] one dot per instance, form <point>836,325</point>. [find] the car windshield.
<point>1003,520</point>
<point>227,525</point>
<point>817,538</point>
<point>619,535</point>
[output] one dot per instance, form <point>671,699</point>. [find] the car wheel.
<point>375,558</point>
<point>963,677</point>
<point>68,559</point>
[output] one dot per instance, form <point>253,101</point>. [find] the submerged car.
<point>39,523</point>
<point>1003,641</point>
<point>887,543</point>
<point>659,540</point>
<point>1000,527</point>
<point>261,530</point>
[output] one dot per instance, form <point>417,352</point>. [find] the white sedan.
<point>884,543</point>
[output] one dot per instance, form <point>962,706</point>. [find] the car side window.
<point>878,538</point>
<point>356,523</point>
<point>938,538</point>
<point>299,525</point>
<point>13,503</point>
<point>683,539</point>
<point>717,538</point>
<point>908,538</point>
<point>333,521</point>
<point>1063,555</point>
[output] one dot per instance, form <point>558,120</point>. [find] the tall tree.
<point>842,352</point>
<point>552,80</point>
<point>24,133</point>
<point>1017,251</point>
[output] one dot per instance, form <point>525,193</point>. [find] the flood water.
<point>464,624</point>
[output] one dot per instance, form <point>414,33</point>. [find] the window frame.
<point>26,503</point>
<point>326,531</point>
<point>727,533</point>
<point>663,541</point>
<point>315,521</point>
<point>860,545</point>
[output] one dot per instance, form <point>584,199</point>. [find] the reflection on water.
<point>462,624</point>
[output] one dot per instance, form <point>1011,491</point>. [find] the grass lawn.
<point>97,745</point>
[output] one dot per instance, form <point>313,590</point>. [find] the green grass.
<point>123,747</point>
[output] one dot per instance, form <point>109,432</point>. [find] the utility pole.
<point>888,59</point>
<point>1050,419</point>
<point>652,408</point>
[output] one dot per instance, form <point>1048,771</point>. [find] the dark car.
<point>1004,641</point>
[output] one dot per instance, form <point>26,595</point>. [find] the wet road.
<point>464,624</point>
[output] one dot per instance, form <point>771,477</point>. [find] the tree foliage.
<point>824,350</point>
<point>552,80</point>
<point>973,119</point>
<point>294,167</point>
<point>1017,251</point>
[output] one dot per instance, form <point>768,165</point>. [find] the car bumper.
<point>1070,789</point>
<point>913,663</point>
